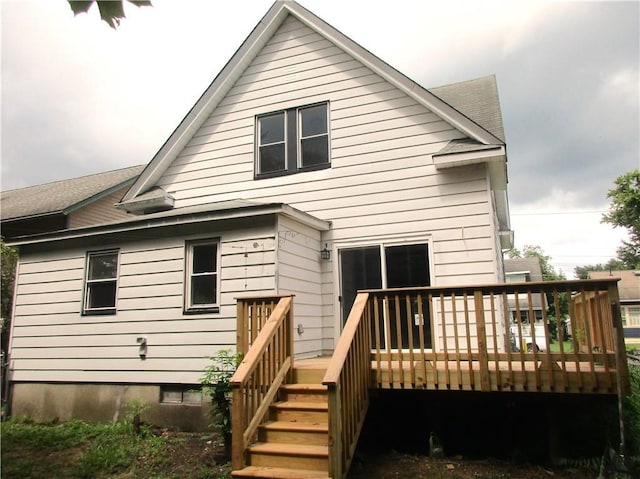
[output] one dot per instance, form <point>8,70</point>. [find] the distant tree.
<point>9,257</point>
<point>111,11</point>
<point>625,212</point>
<point>531,251</point>
<point>548,274</point>
<point>582,272</point>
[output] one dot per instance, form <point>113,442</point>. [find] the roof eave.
<point>98,196</point>
<point>145,222</point>
<point>33,217</point>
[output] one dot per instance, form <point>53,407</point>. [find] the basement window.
<point>181,394</point>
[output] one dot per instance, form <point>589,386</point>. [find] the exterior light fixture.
<point>325,254</point>
<point>143,347</point>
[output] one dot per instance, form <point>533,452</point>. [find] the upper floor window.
<point>202,276</point>
<point>292,140</point>
<point>101,282</point>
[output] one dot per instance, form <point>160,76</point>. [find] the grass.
<point>79,450</point>
<point>554,347</point>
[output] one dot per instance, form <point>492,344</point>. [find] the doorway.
<point>388,266</point>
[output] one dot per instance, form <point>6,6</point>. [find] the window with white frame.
<point>292,140</point>
<point>202,279</point>
<point>632,316</point>
<point>101,282</point>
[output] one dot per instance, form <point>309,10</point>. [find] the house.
<point>523,270</point>
<point>65,204</point>
<point>308,179</point>
<point>629,290</point>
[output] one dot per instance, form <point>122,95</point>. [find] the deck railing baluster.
<point>456,341</point>
<point>445,340</point>
<point>496,349</point>
<point>472,374</point>
<point>348,380</point>
<point>423,359</point>
<point>466,338</point>
<point>259,375</point>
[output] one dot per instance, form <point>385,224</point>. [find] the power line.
<point>581,212</point>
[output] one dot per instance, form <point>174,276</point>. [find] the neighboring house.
<point>629,290</point>
<point>308,167</point>
<point>525,270</point>
<point>65,204</point>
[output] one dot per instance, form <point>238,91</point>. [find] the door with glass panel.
<point>390,266</point>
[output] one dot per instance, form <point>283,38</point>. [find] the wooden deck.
<point>506,376</point>
<point>466,338</point>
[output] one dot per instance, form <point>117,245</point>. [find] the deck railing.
<point>252,314</point>
<point>264,367</point>
<point>348,380</point>
<point>481,337</point>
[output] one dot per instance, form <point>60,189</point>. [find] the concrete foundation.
<point>45,402</point>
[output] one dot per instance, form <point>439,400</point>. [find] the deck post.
<point>335,431</point>
<point>483,357</point>
<point>622,368</point>
<point>241,329</point>
<point>237,440</point>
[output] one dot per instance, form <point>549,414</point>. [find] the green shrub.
<point>216,382</point>
<point>632,411</point>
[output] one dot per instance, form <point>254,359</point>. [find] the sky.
<point>79,97</point>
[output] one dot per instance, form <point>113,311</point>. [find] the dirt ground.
<point>396,465</point>
<point>392,465</point>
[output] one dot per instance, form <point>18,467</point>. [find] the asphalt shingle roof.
<point>476,99</point>
<point>532,265</point>
<point>61,195</point>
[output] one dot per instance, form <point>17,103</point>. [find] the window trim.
<point>292,141</point>
<point>86,310</point>
<point>189,307</point>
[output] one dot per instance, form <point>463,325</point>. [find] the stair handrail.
<point>258,377</point>
<point>348,380</point>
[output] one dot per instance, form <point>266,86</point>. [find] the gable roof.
<point>478,100</point>
<point>628,286</point>
<point>524,265</point>
<point>247,52</point>
<point>65,196</point>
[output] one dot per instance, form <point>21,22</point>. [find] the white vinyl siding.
<point>300,273</point>
<point>51,341</point>
<point>100,211</point>
<point>382,181</point>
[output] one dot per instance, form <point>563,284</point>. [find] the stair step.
<point>296,456</point>
<point>300,411</point>
<point>302,405</point>
<point>297,426</point>
<point>316,433</point>
<point>308,375</point>
<point>279,473</point>
<point>304,392</point>
<point>276,448</point>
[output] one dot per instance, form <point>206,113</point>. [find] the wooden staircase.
<point>294,442</point>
